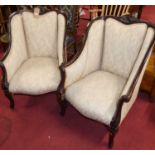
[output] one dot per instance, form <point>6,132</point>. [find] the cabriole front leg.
<point>9,96</point>
<point>61,91</point>
<point>114,124</point>
<point>112,134</point>
<point>5,86</point>
<point>62,102</point>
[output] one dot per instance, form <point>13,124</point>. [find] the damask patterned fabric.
<point>96,95</point>
<point>150,34</point>
<point>40,37</point>
<point>122,44</point>
<point>94,90</point>
<point>18,52</point>
<point>127,106</point>
<point>41,34</point>
<point>90,58</point>
<point>37,75</point>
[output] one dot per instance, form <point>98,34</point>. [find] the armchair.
<point>31,64</point>
<point>102,81</point>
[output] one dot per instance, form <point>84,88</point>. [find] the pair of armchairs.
<point>101,81</point>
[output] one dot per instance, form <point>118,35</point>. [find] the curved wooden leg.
<point>61,91</point>
<point>111,140</point>
<point>62,103</point>
<point>5,85</point>
<point>10,98</point>
<point>63,108</point>
<point>112,135</point>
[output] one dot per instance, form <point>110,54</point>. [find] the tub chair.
<point>31,64</point>
<point>103,79</point>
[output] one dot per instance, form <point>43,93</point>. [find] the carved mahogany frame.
<point>114,124</point>
<point>5,83</point>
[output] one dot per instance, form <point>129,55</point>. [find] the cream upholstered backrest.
<point>32,36</point>
<point>91,54</point>
<point>110,45</point>
<point>122,44</point>
<point>41,34</point>
<point>113,46</point>
<point>93,47</point>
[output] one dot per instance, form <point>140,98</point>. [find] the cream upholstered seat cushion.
<point>96,95</point>
<point>37,75</point>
